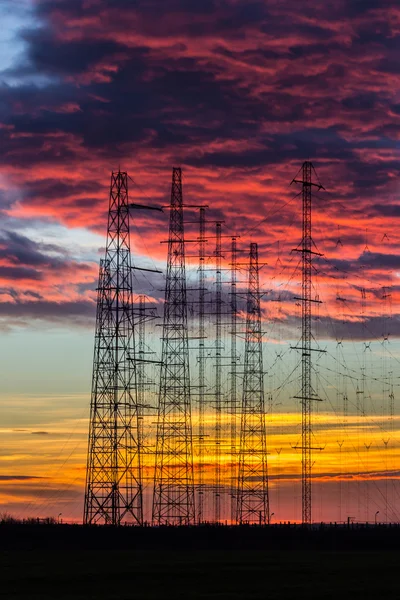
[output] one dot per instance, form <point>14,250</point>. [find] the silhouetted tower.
<point>173,500</point>
<point>233,390</point>
<point>307,392</point>
<point>386,392</point>
<point>145,312</point>
<point>252,501</point>
<point>363,488</point>
<point>341,395</point>
<point>218,364</point>
<point>342,405</point>
<point>141,365</point>
<point>114,479</point>
<point>201,364</point>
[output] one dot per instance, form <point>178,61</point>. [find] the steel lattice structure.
<point>233,386</point>
<point>141,365</point>
<point>173,500</point>
<point>306,386</point>
<point>307,395</point>
<point>253,499</point>
<point>201,365</point>
<point>218,383</point>
<point>114,480</point>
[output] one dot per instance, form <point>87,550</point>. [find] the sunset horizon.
<point>199,299</point>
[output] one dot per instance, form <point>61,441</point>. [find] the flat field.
<point>62,562</point>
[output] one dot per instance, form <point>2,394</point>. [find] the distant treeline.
<point>34,533</point>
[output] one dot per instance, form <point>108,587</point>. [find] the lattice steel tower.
<point>201,366</point>
<point>218,374</point>
<point>173,500</point>
<point>114,480</point>
<point>307,395</point>
<point>233,382</point>
<point>253,500</point>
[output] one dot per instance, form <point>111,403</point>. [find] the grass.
<point>213,574</point>
<point>73,562</point>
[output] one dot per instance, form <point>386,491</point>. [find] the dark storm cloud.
<point>21,250</point>
<point>245,87</point>
<point>380,261</point>
<point>280,148</point>
<point>48,55</point>
<point>80,313</point>
<point>221,15</point>
<point>134,110</point>
<point>365,262</point>
<point>152,95</point>
<point>54,188</point>
<point>350,330</point>
<point>369,178</point>
<point>34,278</point>
<point>56,492</point>
<point>388,210</point>
<point>21,272</point>
<point>356,331</point>
<point>33,260</point>
<point>19,477</point>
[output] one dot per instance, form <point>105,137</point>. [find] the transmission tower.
<point>253,501</point>
<point>201,364</point>
<point>363,494</point>
<point>173,500</point>
<point>144,314</point>
<point>385,392</point>
<point>114,478</point>
<point>218,364</point>
<point>233,390</point>
<point>307,395</point>
<point>140,369</point>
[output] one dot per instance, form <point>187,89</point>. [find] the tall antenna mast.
<point>218,388</point>
<point>233,390</point>
<point>307,395</point>
<point>201,365</point>
<point>173,500</point>
<point>140,369</point>
<point>253,499</point>
<point>114,478</point>
<point>144,313</point>
<point>386,391</point>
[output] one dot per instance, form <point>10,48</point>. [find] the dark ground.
<point>73,562</point>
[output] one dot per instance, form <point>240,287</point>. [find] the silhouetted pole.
<point>173,500</point>
<point>252,494</point>
<point>114,478</point>
<point>201,365</point>
<point>218,385</point>
<point>233,390</point>
<point>307,393</point>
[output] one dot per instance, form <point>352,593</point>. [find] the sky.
<point>239,94</point>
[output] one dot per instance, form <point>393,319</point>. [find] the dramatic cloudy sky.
<point>239,93</point>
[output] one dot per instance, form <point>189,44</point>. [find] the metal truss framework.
<point>113,492</point>
<point>173,500</point>
<point>201,367</point>
<point>218,373</point>
<point>252,496</point>
<point>307,395</point>
<point>233,383</point>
